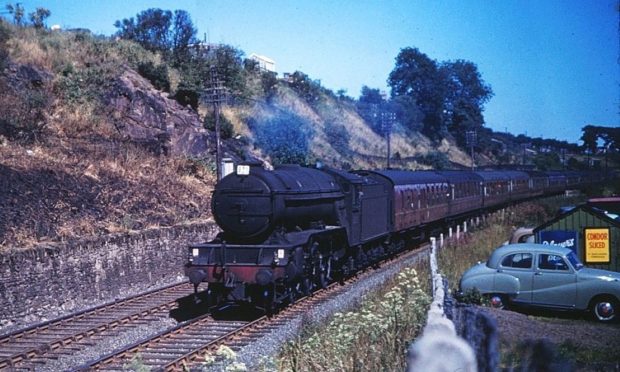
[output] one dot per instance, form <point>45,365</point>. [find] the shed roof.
<point>597,213</point>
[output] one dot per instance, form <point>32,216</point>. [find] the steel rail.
<point>74,329</point>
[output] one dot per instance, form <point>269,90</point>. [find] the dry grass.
<point>65,190</point>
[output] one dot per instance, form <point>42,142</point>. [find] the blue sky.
<point>553,65</point>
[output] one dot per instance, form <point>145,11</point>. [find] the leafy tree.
<point>39,16</point>
<point>150,29</point>
<point>183,35</point>
<point>418,77</point>
<point>608,135</point>
<point>17,10</point>
<point>160,31</point>
<point>285,138</point>
<point>305,87</point>
<point>229,64</point>
<point>371,96</point>
<point>466,94</point>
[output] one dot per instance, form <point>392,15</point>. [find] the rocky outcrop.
<point>148,116</point>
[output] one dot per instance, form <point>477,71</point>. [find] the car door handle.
<point>538,273</point>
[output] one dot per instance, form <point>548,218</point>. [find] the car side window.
<point>551,262</point>
<point>518,260</point>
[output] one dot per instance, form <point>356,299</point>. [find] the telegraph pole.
<point>387,121</point>
<point>216,94</point>
<point>471,137</point>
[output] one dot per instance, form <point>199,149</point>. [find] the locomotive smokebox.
<point>249,204</point>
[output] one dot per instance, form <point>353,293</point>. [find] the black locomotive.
<point>289,231</point>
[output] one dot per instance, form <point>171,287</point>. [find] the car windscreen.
<point>574,260</point>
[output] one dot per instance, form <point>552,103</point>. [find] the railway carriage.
<point>465,193</point>
<point>495,187</point>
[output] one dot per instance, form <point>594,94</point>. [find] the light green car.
<point>545,276</point>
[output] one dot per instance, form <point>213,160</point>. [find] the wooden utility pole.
<point>387,121</point>
<point>216,94</point>
<point>471,137</point>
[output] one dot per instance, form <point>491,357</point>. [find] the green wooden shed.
<point>589,231</point>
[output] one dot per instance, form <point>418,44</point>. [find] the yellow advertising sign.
<point>597,245</point>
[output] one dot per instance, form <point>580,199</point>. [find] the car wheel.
<point>605,309</point>
<point>497,301</point>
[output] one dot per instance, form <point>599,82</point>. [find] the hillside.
<point>99,135</point>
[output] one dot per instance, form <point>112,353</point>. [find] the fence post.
<point>464,227</point>
<point>458,232</point>
<point>433,259</point>
<point>450,232</point>
<point>441,240</point>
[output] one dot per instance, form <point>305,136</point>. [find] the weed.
<point>373,337</point>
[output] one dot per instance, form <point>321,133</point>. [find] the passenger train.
<point>291,230</point>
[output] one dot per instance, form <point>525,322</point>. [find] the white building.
<point>264,63</point>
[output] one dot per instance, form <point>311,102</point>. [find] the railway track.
<point>184,346</point>
<point>33,347</point>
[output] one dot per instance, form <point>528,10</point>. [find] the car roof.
<point>502,251</point>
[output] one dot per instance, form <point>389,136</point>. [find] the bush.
<point>5,34</point>
<point>337,136</point>
<point>437,160</point>
<point>23,113</point>
<point>157,75</point>
<point>226,128</point>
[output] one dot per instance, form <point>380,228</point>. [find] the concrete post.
<point>441,240</point>
<point>458,232</point>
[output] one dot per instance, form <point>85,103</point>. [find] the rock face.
<point>145,115</point>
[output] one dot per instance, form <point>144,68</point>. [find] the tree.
<point>160,31</point>
<point>39,16</point>
<point>183,35</point>
<point>608,135</point>
<point>229,64</point>
<point>418,77</point>
<point>17,11</point>
<point>466,94</point>
<point>369,106</point>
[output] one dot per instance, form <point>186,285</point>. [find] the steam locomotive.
<point>291,230</point>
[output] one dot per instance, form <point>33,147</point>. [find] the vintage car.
<point>544,276</point>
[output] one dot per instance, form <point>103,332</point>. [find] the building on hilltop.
<point>264,63</point>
